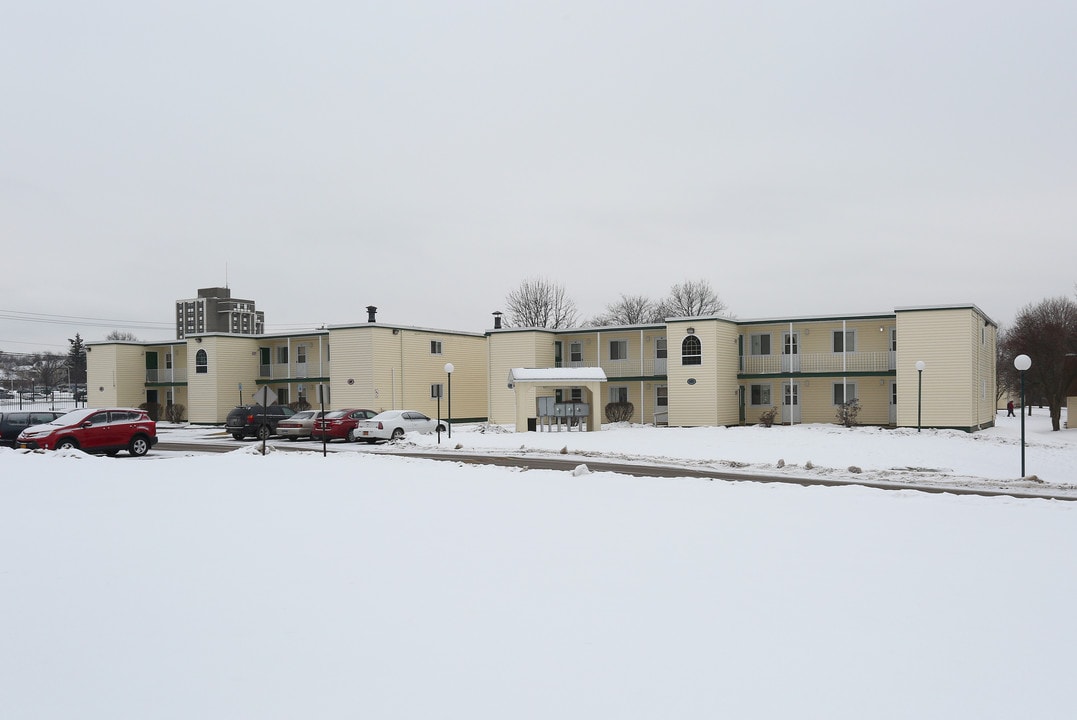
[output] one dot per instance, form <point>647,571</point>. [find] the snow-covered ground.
<point>361,585</point>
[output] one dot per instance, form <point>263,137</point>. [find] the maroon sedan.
<point>339,424</point>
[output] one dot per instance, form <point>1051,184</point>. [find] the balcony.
<point>168,375</point>
<point>285,371</point>
<point>852,363</point>
<point>629,367</point>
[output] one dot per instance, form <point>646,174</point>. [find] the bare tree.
<point>48,369</point>
<point>1047,333</point>
<point>691,298</point>
<point>629,310</point>
<point>539,302</point>
<point>121,335</point>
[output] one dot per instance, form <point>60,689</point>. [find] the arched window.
<point>691,351</point>
<point>201,362</point>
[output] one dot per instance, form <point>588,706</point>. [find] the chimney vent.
<point>497,320</point>
<point>371,311</point>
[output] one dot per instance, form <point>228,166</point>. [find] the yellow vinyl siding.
<point>116,375</point>
<point>231,360</point>
<point>958,366</point>
<point>516,349</point>
<point>387,368</point>
<point>713,399</point>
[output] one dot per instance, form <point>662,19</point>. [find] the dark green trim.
<point>639,378</point>
<point>166,384</point>
<point>289,381</point>
<point>780,375</point>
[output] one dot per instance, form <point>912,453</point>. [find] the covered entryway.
<point>529,383</point>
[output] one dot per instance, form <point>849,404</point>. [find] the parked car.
<point>13,423</point>
<point>94,430</point>
<point>299,425</point>
<point>394,424</point>
<point>340,424</point>
<point>256,420</point>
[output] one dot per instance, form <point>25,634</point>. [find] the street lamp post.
<point>448,371</point>
<point>1022,363</point>
<point>920,365</point>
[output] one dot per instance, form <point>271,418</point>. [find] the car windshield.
<point>303,415</point>
<point>333,415</point>
<point>74,417</point>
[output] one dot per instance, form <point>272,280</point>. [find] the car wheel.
<point>351,436</point>
<point>441,428</point>
<point>263,432</point>
<point>67,444</point>
<point>112,453</point>
<point>139,446</point>
<point>397,434</point>
<point>237,436</point>
<point>293,438</point>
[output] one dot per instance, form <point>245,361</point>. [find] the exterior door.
<point>790,403</point>
<point>660,356</point>
<point>893,402</point>
<point>151,367</point>
<point>791,352</point>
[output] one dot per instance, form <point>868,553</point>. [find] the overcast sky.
<point>426,157</point>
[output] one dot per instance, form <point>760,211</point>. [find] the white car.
<point>394,424</point>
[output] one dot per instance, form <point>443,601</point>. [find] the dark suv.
<point>13,423</point>
<point>256,420</point>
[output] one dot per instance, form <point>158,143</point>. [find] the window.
<point>660,348</point>
<point>301,354</point>
<point>282,396</point>
<point>618,349</point>
<point>844,393</point>
<point>282,355</point>
<point>201,362</point>
<point>618,394</point>
<point>844,341</point>
<point>435,347</point>
<point>575,352</point>
<point>436,390</point>
<point>661,396</point>
<point>761,344</point>
<point>893,339</point>
<point>691,351</point>
<point>168,361</point>
<point>575,395</point>
<point>760,395</point>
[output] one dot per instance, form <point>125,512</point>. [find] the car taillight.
<point>380,426</point>
<point>250,418</point>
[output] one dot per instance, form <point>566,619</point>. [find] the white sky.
<point>426,157</point>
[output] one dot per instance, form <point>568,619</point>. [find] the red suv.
<point>94,430</point>
<point>339,424</point>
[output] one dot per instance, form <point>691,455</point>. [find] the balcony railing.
<point>166,375</point>
<point>293,370</point>
<point>853,362</point>
<point>629,367</point>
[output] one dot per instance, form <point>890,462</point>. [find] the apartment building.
<point>698,371</point>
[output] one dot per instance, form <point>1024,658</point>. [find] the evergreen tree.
<point>76,360</point>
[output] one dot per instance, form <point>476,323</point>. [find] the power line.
<point>22,316</point>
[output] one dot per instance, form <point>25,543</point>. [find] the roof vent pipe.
<point>497,320</point>
<point>371,311</point>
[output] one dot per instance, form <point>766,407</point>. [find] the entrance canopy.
<point>526,382</point>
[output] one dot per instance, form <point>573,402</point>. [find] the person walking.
<point>1009,409</point>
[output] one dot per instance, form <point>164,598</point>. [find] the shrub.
<point>767,416</point>
<point>152,409</point>
<point>299,405</point>
<point>619,412</point>
<point>847,413</point>
<point>175,413</point>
